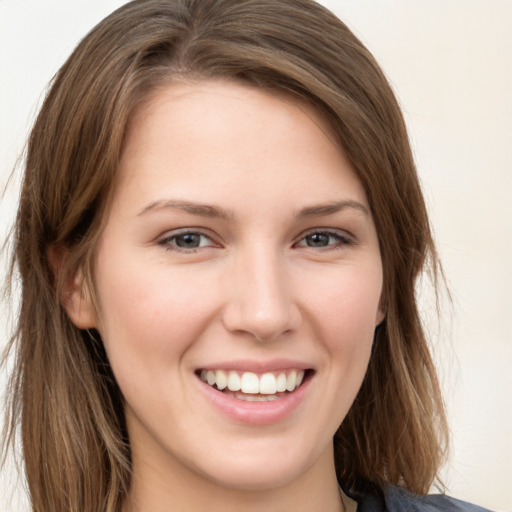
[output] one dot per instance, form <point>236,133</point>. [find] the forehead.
<point>202,100</point>
<point>204,137</point>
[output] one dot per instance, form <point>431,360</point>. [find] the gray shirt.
<point>397,499</point>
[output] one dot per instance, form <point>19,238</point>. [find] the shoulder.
<point>401,500</point>
<point>397,499</point>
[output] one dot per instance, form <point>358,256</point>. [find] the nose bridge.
<point>262,301</point>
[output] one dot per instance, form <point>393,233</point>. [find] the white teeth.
<point>268,384</point>
<point>250,383</point>
<point>290,380</point>
<point>233,381</point>
<point>221,379</point>
<point>281,383</point>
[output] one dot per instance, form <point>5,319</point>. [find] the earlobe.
<point>78,303</point>
<point>379,317</point>
<point>382,309</point>
<point>73,290</point>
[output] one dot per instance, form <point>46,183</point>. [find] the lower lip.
<point>256,413</point>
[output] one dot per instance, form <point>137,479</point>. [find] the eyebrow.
<point>320,210</point>
<point>208,210</point>
<point>203,210</point>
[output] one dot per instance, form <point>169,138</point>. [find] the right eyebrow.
<point>201,209</point>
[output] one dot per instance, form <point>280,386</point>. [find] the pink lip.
<point>255,413</point>
<point>258,366</point>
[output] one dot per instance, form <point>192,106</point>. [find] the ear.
<point>379,318</point>
<point>382,310</point>
<point>74,293</point>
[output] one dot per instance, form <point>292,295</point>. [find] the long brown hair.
<point>75,446</point>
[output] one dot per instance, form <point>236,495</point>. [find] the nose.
<point>261,301</point>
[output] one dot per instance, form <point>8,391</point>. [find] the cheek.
<point>156,314</point>
<point>349,301</point>
<point>346,316</point>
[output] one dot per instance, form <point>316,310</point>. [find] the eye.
<point>324,240</point>
<point>186,241</point>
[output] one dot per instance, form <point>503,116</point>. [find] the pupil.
<point>189,240</point>
<point>318,240</point>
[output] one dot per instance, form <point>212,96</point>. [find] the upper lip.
<point>258,366</point>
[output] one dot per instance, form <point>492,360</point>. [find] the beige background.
<point>450,62</point>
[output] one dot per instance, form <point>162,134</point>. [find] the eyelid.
<point>164,240</point>
<point>345,238</point>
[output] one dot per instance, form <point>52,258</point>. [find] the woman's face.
<point>240,250</point>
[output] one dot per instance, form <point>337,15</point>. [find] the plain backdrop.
<point>450,62</point>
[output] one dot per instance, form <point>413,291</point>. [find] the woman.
<point>219,235</point>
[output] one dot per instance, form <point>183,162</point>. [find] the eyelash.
<point>167,242</point>
<point>341,239</point>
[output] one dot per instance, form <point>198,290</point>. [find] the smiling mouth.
<point>253,387</point>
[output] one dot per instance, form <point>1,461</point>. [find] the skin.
<point>256,289</point>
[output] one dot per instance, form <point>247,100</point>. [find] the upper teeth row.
<point>249,382</point>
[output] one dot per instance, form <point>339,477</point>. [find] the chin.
<point>265,477</point>
<point>261,468</point>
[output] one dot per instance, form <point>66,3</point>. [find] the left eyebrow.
<point>319,210</point>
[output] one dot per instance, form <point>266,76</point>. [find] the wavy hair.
<point>63,396</point>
